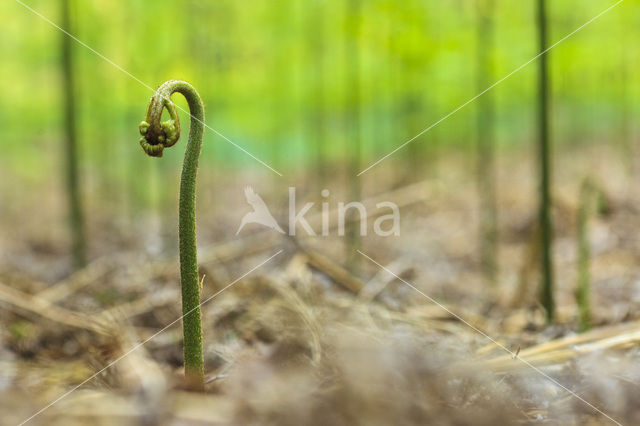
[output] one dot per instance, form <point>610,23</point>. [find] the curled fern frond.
<point>156,136</point>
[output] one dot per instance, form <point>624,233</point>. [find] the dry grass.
<point>303,341</point>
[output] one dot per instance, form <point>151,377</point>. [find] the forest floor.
<point>291,337</point>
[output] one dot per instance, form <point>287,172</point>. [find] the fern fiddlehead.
<point>157,135</point>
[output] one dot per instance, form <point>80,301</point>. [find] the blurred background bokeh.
<point>318,90</point>
<point>309,94</point>
<point>275,77</point>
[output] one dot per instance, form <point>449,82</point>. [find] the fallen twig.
<point>21,302</point>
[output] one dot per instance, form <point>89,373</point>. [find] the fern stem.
<point>76,212</point>
<point>583,290</point>
<point>592,201</point>
<point>158,135</point>
<point>546,226</point>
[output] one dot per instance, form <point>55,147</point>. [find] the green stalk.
<point>592,200</point>
<point>546,227</point>
<point>352,63</point>
<point>158,135</point>
<point>485,167</point>
<point>583,289</point>
<point>316,34</point>
<point>76,215</point>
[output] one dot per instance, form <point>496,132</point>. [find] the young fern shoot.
<point>592,200</point>
<point>72,168</point>
<point>157,135</point>
<point>545,161</point>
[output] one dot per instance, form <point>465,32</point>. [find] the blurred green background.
<point>316,89</point>
<point>269,70</point>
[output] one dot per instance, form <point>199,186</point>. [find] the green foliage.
<point>255,66</point>
<point>21,330</point>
